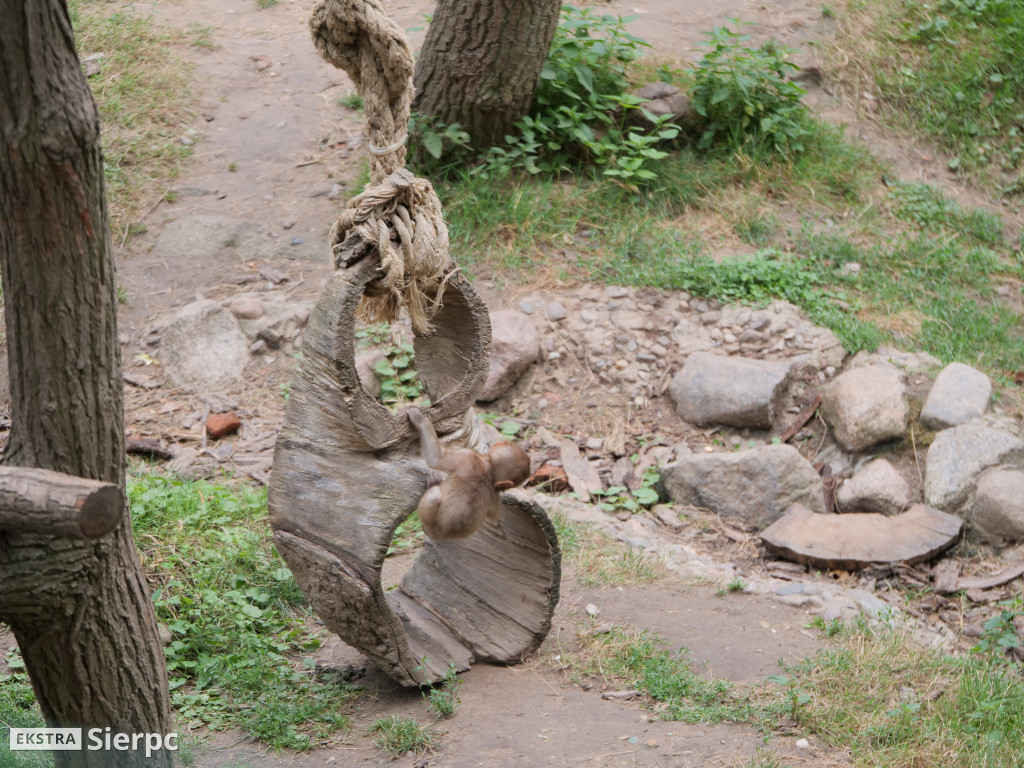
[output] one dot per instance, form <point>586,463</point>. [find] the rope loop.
<point>399,214</point>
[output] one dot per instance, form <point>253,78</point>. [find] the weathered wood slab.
<point>347,472</point>
<point>852,542</point>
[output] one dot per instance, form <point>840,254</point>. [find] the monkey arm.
<point>430,446</point>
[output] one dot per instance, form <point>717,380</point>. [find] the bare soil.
<point>276,152</point>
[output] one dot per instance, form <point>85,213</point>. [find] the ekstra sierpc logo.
<point>71,739</point>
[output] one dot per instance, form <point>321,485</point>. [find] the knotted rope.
<point>399,214</point>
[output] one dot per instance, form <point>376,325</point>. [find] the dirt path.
<point>276,156</point>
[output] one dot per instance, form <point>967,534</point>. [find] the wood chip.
<point>582,476</point>
<point>152,448</point>
<point>987,582</point>
<point>801,418</point>
<point>619,695</point>
<point>945,575</point>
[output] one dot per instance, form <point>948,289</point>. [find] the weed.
<point>894,703</point>
<point>408,535</point>
<point>394,368</point>
<point>352,101</point>
<point>266,3</point>
<point>201,36</point>
<point>829,628</point>
<point>637,659</point>
<point>744,93</point>
<point>232,167</point>
<point>18,709</point>
<point>236,615</point>
<point>583,112</point>
<point>736,585</point>
<point>398,735</point>
<point>443,697</point>
<point>142,91</point>
<point>618,498</point>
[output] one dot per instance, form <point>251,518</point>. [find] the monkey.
<point>466,486</point>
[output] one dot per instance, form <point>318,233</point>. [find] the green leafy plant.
<point>743,93</point>
<point>351,101</point>
<point>619,497</point>
<point>583,113</point>
<point>435,138</point>
<point>444,696</point>
<point>736,585</point>
<point>399,381</point>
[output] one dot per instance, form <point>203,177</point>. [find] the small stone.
<point>588,317</point>
<point>616,292</point>
<point>594,444</point>
<point>866,406</point>
<point>220,424</point>
<point>710,317</point>
<point>999,506</point>
<point>802,743</point>
<point>246,307</point>
<point>297,241</point>
<point>273,275</point>
<point>960,393</point>
<point>526,307</point>
<point>288,224</point>
<point>259,347</point>
<point>556,311</point>
<point>592,610</point>
<point>876,488</point>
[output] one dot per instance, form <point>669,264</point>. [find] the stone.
<point>852,542</point>
<point>281,322</point>
<point>556,311</point>
<point>736,391</point>
<point>668,515</point>
<point>878,487</point>
<point>366,362</point>
<point>865,406</point>
<point>755,486</point>
<point>550,479</point>
<point>957,458</point>
<point>998,513</point>
<point>514,348</point>
<point>221,424</point>
<point>960,394</point>
<point>203,348</point>
<point>246,307</point>
<point>206,237</point>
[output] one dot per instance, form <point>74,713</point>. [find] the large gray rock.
<point>998,514</point>
<point>756,486</point>
<point>865,406</point>
<point>957,458</point>
<point>203,349</point>
<point>960,393</point>
<point>739,392</point>
<point>514,348</point>
<point>878,487</point>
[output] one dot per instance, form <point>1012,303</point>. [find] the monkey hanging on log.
<point>465,488</point>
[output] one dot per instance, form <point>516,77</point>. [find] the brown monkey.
<point>465,488</point>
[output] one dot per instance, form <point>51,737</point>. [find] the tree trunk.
<point>480,63</point>
<point>80,609</point>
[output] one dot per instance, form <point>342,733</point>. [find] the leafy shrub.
<point>743,93</point>
<point>582,105</point>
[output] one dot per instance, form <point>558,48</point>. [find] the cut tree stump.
<point>347,472</point>
<point>852,542</point>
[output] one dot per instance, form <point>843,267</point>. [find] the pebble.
<point>616,292</point>
<point>297,241</point>
<point>588,317</point>
<point>526,307</point>
<point>803,743</point>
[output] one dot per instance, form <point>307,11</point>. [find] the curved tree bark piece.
<point>347,472</point>
<point>852,542</point>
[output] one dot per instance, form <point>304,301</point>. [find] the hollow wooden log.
<point>40,501</point>
<point>347,471</point>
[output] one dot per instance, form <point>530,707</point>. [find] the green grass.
<point>143,94</point>
<point>951,68</point>
<point>18,709</point>
<point>896,704</point>
<point>624,659</point>
<point>398,735</point>
<point>239,621</point>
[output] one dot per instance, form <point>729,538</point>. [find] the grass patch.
<point>18,709</point>
<point>237,617</point>
<point>623,659</point>
<point>398,735</point>
<point>142,91</point>
<point>893,703</point>
<point>951,69</point>
<point>598,560</point>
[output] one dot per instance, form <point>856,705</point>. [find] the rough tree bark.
<point>80,609</point>
<point>480,63</point>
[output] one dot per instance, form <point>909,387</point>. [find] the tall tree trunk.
<point>80,610</point>
<point>480,63</point>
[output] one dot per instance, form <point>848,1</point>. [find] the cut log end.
<point>101,511</point>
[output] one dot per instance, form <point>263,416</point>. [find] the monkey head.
<point>510,465</point>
